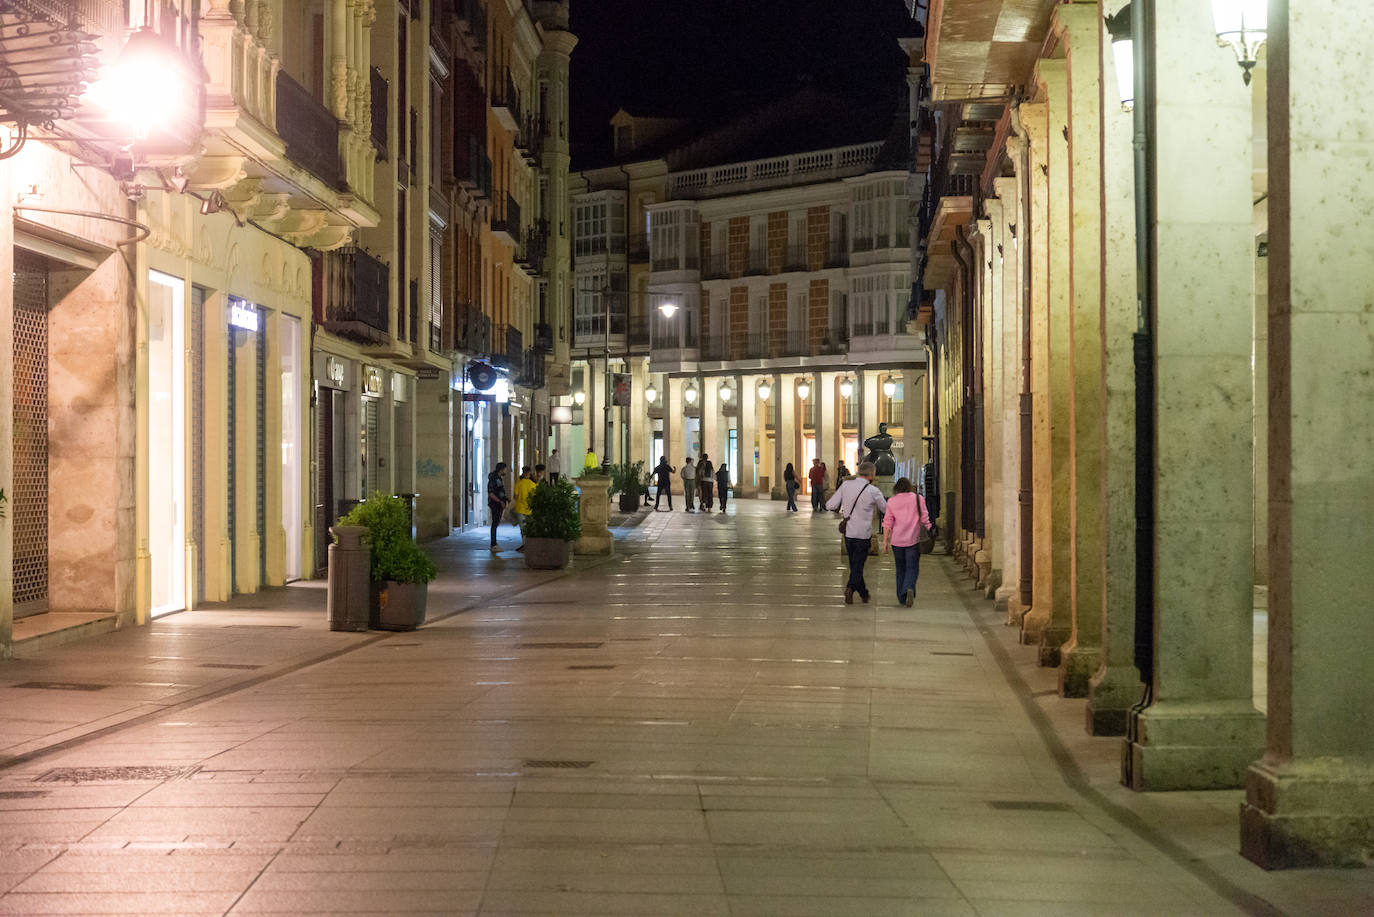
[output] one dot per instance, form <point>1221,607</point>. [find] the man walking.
<point>555,466</point>
<point>856,500</point>
<point>524,488</point>
<point>722,483</point>
<point>663,474</point>
<point>689,484</point>
<point>706,480</point>
<point>496,498</point>
<point>816,477</point>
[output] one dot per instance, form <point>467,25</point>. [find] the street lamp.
<point>689,394</point>
<point>669,308</point>
<point>580,398</point>
<point>1242,24</point>
<point>846,387</point>
<point>803,389</point>
<point>889,387</point>
<point>764,390</point>
<point>725,393</point>
<point>651,394</point>
<point>1123,51</point>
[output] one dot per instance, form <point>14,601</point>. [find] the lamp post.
<point>668,308</point>
<point>1242,24</point>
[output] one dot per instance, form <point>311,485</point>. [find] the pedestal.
<point>594,509</point>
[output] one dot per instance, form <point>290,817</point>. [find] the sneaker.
<point>848,595</point>
<point>521,548</point>
<point>865,598</point>
<point>910,598</point>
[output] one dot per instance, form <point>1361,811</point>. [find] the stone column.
<point>1079,26</point>
<point>1201,729</point>
<point>1115,687</point>
<point>993,433</point>
<point>870,390</point>
<point>1308,802</point>
<point>433,455</point>
<point>785,431</point>
<point>745,484</point>
<point>594,508</point>
<point>640,433</point>
<point>1007,350</point>
<point>709,399</point>
<point>913,417</point>
<point>673,426</point>
<point>1034,121</point>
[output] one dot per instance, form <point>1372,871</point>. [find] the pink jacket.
<point>906,516</point>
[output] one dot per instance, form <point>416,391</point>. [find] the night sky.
<point>690,57</point>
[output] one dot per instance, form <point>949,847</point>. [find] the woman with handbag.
<point>790,483</point>
<point>906,527</point>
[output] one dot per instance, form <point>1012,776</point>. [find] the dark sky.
<point>693,56</point>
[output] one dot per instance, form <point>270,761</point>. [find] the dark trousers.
<point>724,492</point>
<point>792,495</point>
<point>554,476</point>
<point>706,488</point>
<point>495,510</point>
<point>662,489</point>
<point>908,560</point>
<point>818,498</point>
<point>857,549</point>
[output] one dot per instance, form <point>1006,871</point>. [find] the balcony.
<point>756,348</point>
<point>536,247</point>
<point>863,244</point>
<point>837,254</point>
<point>794,259</point>
<point>309,130</point>
<point>715,347</point>
<point>472,21</point>
<point>531,370</point>
<point>757,263</point>
<point>543,338</point>
<point>639,248</point>
<point>676,262</point>
<point>472,166</point>
<point>506,222</point>
<point>529,140</point>
<point>505,103</point>
<point>717,267</point>
<point>638,335</point>
<point>379,113</point>
<point>352,298</point>
<point>777,172</point>
<point>515,350</point>
<point>796,344</point>
<point>471,330</point>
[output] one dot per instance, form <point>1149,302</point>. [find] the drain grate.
<point>1022,805</point>
<point>22,794</point>
<point>588,667</point>
<point>552,762</point>
<point>948,653</point>
<point>228,665</point>
<point>262,627</point>
<point>112,774</point>
<point>59,686</point>
<point>559,646</point>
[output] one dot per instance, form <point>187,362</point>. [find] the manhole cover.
<point>559,646</point>
<point>1028,805</point>
<point>111,774</point>
<point>58,686</point>
<point>22,794</point>
<point>581,667</point>
<point>227,665</point>
<point>575,765</point>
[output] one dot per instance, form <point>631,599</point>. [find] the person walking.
<point>790,484</point>
<point>524,487</point>
<point>663,474</point>
<point>856,500</point>
<point>903,523</point>
<point>589,461</point>
<point>689,485</point>
<point>706,480</point>
<point>841,474</point>
<point>496,498</point>
<point>816,477</point>
<point>555,466</point>
<point>722,484</point>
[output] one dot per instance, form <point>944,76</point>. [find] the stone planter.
<point>629,503</point>
<point>398,606</point>
<point>594,509</point>
<point>547,553</point>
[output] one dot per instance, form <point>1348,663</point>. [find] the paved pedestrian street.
<point>696,726</point>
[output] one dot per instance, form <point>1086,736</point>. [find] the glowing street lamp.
<point>803,389</point>
<point>889,388</point>
<point>764,390</point>
<point>1242,24</point>
<point>689,394</point>
<point>651,394</point>
<point>1123,56</point>
<point>147,88</point>
<point>725,393</point>
<point>846,388</point>
<point>580,398</point>
<point>668,309</point>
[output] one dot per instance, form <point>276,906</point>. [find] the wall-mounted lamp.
<point>846,387</point>
<point>1119,28</point>
<point>1242,24</point>
<point>889,388</point>
<point>580,398</point>
<point>803,389</point>
<point>669,309</point>
<point>725,393</point>
<point>765,390</point>
<point>651,394</point>
<point>689,394</point>
<point>1011,228</point>
<point>1001,256</point>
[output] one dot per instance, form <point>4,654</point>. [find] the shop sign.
<point>560,413</point>
<point>620,387</point>
<point>243,315</point>
<point>372,381</point>
<point>398,387</point>
<point>334,371</point>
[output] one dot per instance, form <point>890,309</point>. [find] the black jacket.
<point>496,486</point>
<point>664,472</point>
<point>723,477</point>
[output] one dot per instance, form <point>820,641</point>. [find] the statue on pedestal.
<point>880,452</point>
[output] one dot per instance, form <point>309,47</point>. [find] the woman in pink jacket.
<point>905,520</point>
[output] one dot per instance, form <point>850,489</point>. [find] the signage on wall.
<point>372,380</point>
<point>334,371</point>
<point>560,413</point>
<point>482,376</point>
<point>243,315</point>
<point>620,389</point>
<point>398,387</point>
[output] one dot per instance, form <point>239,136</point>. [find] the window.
<point>673,240</point>
<point>589,229</point>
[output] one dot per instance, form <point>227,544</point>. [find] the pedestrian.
<point>496,498</point>
<point>706,480</point>
<point>722,483</point>
<point>523,488</point>
<point>589,463</point>
<point>689,485</point>
<point>790,484</point>
<point>663,475</point>
<point>816,477</point>
<point>841,474</point>
<point>856,500</point>
<point>555,466</point>
<point>903,523</point>
<point>540,472</point>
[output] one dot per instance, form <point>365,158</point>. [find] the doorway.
<point>166,443</point>
<point>291,444</point>
<point>28,508</point>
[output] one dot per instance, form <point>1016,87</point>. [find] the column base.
<point>1112,692</point>
<point>1052,640</point>
<point>1016,612</point>
<point>1077,663</point>
<point>1201,745</point>
<point>990,583</point>
<point>1314,812</point>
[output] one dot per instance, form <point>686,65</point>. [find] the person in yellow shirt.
<point>521,507</point>
<point>590,463</point>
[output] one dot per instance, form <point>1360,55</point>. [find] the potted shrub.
<point>625,478</point>
<point>554,524</point>
<point>400,570</point>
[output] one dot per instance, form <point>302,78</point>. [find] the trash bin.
<point>350,574</point>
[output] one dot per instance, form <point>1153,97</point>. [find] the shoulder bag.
<point>926,537</point>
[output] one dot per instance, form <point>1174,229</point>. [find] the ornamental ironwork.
<point>46,60</point>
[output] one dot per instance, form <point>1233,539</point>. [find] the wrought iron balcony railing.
<point>379,113</point>
<point>309,130</point>
<point>352,294</point>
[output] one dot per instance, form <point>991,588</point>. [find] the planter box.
<point>398,606</point>
<point>629,503</point>
<point>547,553</point>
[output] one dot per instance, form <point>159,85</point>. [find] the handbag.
<point>844,523</point>
<point>926,537</point>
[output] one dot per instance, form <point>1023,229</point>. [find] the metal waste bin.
<point>350,569</point>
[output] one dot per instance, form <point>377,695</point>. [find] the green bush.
<point>395,556</point>
<point>625,478</point>
<point>554,512</point>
